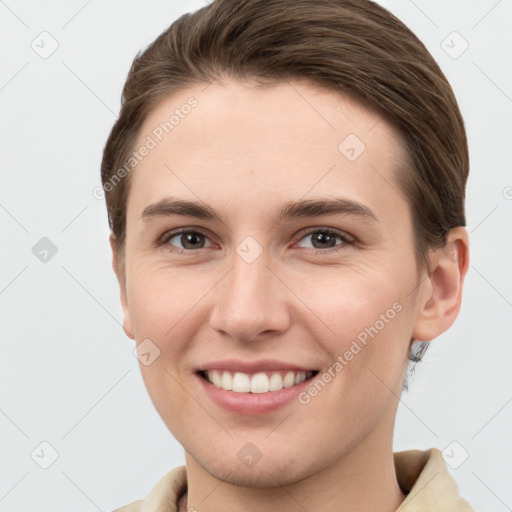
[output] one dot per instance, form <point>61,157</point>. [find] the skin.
<point>245,151</point>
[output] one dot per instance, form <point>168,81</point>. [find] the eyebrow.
<point>291,210</point>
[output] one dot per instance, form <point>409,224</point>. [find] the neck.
<point>363,479</point>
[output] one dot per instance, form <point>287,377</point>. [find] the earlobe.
<point>441,293</point>
<point>119,270</point>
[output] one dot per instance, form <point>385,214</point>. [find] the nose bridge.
<point>250,280</point>
<point>249,301</point>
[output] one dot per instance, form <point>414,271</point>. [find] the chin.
<point>274,468</point>
<point>263,475</point>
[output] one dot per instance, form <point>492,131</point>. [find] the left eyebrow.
<point>317,207</point>
<point>293,209</point>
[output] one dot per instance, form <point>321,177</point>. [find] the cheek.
<point>348,302</point>
<point>363,320</point>
<point>161,305</point>
<point>161,297</point>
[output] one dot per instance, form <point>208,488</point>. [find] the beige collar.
<point>422,475</point>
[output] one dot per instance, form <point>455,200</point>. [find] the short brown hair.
<point>355,47</point>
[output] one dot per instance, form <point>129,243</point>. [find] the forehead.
<point>237,142</point>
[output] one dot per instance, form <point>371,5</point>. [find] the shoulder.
<point>424,477</point>
<point>165,493</point>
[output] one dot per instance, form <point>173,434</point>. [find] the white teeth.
<point>276,382</point>
<point>227,381</point>
<point>215,378</point>
<point>289,380</point>
<point>300,377</point>
<point>241,383</point>
<point>257,383</point>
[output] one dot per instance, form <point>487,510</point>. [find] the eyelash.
<point>345,238</point>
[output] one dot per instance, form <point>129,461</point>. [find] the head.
<point>245,107</point>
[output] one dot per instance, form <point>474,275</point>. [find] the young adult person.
<point>285,188</point>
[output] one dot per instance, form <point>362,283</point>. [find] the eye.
<point>189,238</point>
<point>321,238</point>
<point>326,238</point>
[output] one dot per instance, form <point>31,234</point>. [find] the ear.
<point>441,291</point>
<point>118,264</point>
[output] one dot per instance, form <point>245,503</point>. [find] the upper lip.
<point>263,365</point>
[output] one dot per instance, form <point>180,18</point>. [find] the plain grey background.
<point>68,376</point>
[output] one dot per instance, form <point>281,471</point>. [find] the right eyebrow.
<point>293,209</point>
<point>169,206</point>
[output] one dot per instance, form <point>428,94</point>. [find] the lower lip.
<point>252,404</point>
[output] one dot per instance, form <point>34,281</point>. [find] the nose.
<point>251,302</point>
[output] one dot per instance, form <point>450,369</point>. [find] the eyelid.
<point>347,239</point>
<point>163,239</point>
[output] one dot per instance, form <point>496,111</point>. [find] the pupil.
<point>324,237</point>
<point>188,238</point>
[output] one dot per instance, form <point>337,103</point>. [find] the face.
<point>297,258</point>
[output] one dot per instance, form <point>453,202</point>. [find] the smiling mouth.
<point>259,382</point>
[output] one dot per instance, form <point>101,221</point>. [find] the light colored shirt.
<point>422,475</point>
